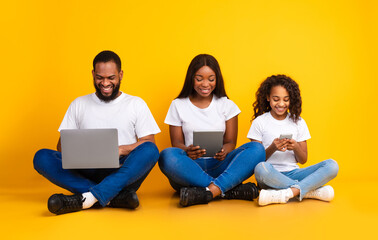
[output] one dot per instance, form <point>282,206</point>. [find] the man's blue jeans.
<point>234,169</point>
<point>104,184</point>
<point>305,179</point>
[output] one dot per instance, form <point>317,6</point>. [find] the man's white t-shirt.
<point>265,128</point>
<point>129,114</point>
<point>185,114</point>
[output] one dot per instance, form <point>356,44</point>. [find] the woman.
<point>203,105</point>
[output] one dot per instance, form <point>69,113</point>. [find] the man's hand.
<point>195,152</point>
<point>124,150</point>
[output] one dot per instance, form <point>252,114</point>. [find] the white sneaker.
<point>324,193</point>
<point>274,196</point>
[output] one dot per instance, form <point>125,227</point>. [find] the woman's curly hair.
<point>261,105</point>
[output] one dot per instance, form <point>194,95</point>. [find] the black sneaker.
<point>60,203</point>
<point>194,195</point>
<point>125,199</point>
<point>247,191</point>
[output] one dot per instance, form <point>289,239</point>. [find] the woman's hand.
<point>221,155</point>
<point>195,152</point>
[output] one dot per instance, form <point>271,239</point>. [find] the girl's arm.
<point>177,140</point>
<point>277,144</point>
<point>229,139</point>
<point>300,150</point>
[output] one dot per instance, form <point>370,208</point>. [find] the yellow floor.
<point>353,214</point>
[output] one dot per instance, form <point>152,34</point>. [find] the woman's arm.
<point>229,138</point>
<point>177,140</point>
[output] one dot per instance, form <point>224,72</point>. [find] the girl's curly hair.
<point>261,105</point>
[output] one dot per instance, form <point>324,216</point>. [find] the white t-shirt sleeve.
<point>173,117</point>
<point>145,123</point>
<point>256,130</point>
<point>230,109</point>
<point>70,118</point>
<point>303,132</point>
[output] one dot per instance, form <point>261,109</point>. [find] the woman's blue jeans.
<point>238,165</point>
<point>304,179</point>
<point>104,184</point>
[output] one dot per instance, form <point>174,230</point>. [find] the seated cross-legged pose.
<point>203,105</point>
<point>106,108</point>
<point>279,127</point>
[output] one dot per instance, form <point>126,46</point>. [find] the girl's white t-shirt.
<point>265,128</point>
<point>185,114</point>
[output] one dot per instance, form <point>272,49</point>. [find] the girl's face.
<point>204,81</point>
<point>279,101</point>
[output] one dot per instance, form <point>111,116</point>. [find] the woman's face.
<point>279,101</point>
<point>204,81</point>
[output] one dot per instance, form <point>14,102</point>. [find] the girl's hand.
<point>221,155</point>
<point>195,152</point>
<point>280,144</point>
<point>291,144</point>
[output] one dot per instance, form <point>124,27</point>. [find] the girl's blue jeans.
<point>238,165</point>
<point>104,184</point>
<point>304,179</point>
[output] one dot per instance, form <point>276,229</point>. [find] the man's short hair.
<point>107,56</point>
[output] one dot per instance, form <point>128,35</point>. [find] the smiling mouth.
<point>107,89</point>
<point>205,91</point>
<point>281,109</point>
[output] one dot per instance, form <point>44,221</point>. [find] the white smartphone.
<point>288,136</point>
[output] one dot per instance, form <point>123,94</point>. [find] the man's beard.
<point>112,96</point>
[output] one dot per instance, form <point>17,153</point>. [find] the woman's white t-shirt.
<point>185,114</point>
<point>266,128</point>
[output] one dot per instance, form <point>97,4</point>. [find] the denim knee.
<point>261,171</point>
<point>41,158</point>
<point>257,145</point>
<point>332,167</point>
<point>150,148</point>
<point>168,157</point>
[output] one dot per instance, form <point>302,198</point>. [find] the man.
<point>106,108</point>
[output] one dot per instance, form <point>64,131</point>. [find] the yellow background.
<point>328,47</point>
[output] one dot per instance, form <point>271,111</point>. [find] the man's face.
<point>107,80</point>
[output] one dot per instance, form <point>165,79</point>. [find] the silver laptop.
<point>89,148</point>
<point>212,141</point>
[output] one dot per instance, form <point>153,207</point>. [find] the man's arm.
<point>126,149</point>
<point>59,146</point>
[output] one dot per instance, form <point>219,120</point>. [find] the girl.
<point>277,111</point>
<point>203,105</point>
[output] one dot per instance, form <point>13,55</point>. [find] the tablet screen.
<point>212,141</point>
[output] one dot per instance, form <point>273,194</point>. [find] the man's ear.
<point>93,74</point>
<point>120,75</point>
